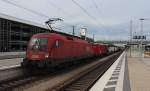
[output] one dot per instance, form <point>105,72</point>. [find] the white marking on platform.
<point>119,86</point>
<point>101,83</point>
<point>11,53</point>
<point>8,67</point>
<point>114,76</point>
<point>110,86</point>
<point>11,59</point>
<point>114,79</point>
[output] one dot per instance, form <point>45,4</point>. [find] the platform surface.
<point>10,63</point>
<point>113,78</point>
<point>9,55</point>
<point>132,71</point>
<point>139,71</point>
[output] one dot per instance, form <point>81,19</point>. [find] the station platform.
<point>139,71</point>
<point>10,63</point>
<point>130,72</point>
<point>9,55</point>
<point>10,59</point>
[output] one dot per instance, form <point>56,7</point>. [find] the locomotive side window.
<point>57,43</point>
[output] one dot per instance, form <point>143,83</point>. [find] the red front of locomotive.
<point>38,50</point>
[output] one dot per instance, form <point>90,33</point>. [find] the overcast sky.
<point>107,19</point>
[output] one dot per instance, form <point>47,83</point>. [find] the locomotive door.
<point>56,50</point>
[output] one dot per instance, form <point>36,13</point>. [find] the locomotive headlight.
<point>46,55</point>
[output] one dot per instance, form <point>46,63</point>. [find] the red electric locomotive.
<point>52,49</point>
<point>55,48</point>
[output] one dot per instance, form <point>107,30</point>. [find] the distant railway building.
<point>15,33</point>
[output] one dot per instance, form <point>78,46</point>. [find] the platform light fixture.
<point>141,32</point>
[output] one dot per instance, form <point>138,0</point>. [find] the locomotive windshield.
<point>38,43</point>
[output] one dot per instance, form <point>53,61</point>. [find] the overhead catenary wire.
<point>97,7</point>
<point>46,16</point>
<point>100,12</point>
<point>65,13</point>
<point>84,10</point>
<point>27,9</point>
<point>33,11</point>
<point>58,8</point>
<point>38,13</point>
<point>62,10</point>
<point>88,14</point>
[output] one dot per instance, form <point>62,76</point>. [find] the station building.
<point>15,33</point>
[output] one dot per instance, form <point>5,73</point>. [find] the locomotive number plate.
<point>35,56</point>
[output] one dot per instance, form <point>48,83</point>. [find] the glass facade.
<point>14,36</point>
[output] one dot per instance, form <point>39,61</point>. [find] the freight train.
<point>55,48</point>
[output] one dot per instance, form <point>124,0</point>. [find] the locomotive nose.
<point>38,55</point>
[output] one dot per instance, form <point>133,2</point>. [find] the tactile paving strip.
<point>111,84</point>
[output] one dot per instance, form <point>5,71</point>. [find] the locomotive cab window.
<point>38,43</point>
<point>57,43</point>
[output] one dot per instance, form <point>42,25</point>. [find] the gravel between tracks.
<point>44,82</point>
<point>50,82</point>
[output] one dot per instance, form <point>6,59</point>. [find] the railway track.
<point>10,78</point>
<point>84,81</point>
<point>19,77</point>
<point>22,78</point>
<point>11,73</point>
